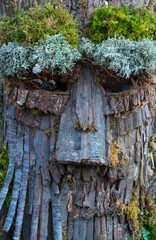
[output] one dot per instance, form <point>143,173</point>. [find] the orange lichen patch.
<point>70,203</point>
<point>118,203</point>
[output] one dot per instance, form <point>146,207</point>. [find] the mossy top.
<point>27,27</point>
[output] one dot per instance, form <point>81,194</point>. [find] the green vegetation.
<point>141,226</point>
<point>90,128</point>
<point>149,219</point>
<point>133,24</point>
<point>4,161</point>
<point>132,211</point>
<point>27,27</point>
<point>3,165</point>
<point>1,105</point>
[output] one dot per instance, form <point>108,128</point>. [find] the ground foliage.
<point>133,24</point>
<point>27,27</point>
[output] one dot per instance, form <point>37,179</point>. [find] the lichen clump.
<point>122,55</point>
<point>115,149</point>
<point>47,55</point>
<point>28,27</point>
<point>133,24</point>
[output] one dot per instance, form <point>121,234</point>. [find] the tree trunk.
<point>76,163</point>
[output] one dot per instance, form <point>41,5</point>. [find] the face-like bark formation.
<point>76,158</point>
<point>82,154</point>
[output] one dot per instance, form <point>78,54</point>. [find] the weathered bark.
<point>73,168</point>
<point>81,10</point>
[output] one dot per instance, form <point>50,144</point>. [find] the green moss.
<point>48,132</point>
<point>133,24</point>
<point>56,127</point>
<point>1,106</point>
<point>149,218</point>
<point>36,112</point>
<point>90,128</point>
<point>27,27</point>
<point>132,211</point>
<point>64,234</point>
<point>112,122</point>
<point>100,237</point>
<point>3,165</point>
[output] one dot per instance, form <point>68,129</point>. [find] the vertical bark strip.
<point>109,228</point>
<point>31,190</point>
<point>38,148</point>
<point>36,207</point>
<point>97,228</point>
<point>103,228</point>
<point>13,203</point>
<point>23,188</point>
<point>89,231</point>
<point>108,140</point>
<point>57,225</point>
<point>17,179</point>
<point>11,137</point>
<point>46,196</point>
